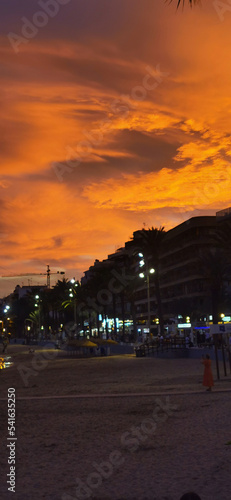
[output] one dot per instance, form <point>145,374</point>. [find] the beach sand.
<point>157,446</point>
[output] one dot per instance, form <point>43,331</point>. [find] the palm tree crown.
<point>182,2</point>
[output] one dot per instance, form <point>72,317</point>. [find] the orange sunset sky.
<point>114,114</point>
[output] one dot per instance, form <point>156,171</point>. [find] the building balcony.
<point>181,280</point>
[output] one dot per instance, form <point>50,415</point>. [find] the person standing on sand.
<point>5,344</point>
<point>208,376</point>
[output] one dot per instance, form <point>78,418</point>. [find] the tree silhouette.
<point>150,242</point>
<point>182,2</point>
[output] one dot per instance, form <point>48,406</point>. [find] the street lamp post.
<point>142,275</point>
<point>6,311</point>
<point>38,304</point>
<point>149,307</point>
<point>75,312</point>
<point>72,294</point>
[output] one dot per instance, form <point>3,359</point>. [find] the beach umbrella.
<point>104,341</point>
<point>110,341</point>
<point>87,343</point>
<point>82,343</point>
<point>97,341</point>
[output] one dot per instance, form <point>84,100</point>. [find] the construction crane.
<point>47,274</point>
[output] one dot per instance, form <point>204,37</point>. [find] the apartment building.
<point>182,282</point>
<point>184,289</point>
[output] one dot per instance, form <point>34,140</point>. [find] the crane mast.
<point>48,275</point>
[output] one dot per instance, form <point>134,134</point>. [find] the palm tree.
<point>58,295</point>
<point>127,261</point>
<point>150,242</point>
<point>95,292</point>
<point>130,292</point>
<point>191,2</point>
<point>73,296</point>
<point>34,319</point>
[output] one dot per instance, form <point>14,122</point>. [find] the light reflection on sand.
<point>5,362</point>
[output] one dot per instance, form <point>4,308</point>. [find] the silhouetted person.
<point>5,345</point>
<point>208,376</point>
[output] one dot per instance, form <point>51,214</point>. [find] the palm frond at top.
<point>182,2</point>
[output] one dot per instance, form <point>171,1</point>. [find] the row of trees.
<point>111,287</point>
<point>108,292</point>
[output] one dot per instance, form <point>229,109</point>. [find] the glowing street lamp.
<point>72,295</point>
<point>142,275</point>
<point>6,319</point>
<point>38,305</point>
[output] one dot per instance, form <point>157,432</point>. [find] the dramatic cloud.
<point>113,114</point>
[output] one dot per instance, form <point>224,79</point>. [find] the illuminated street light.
<point>38,305</point>
<point>72,294</point>
<point>142,275</point>
<point>5,323</point>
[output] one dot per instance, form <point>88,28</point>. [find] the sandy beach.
<point>115,428</point>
